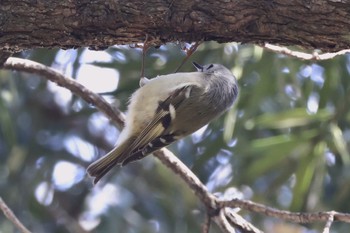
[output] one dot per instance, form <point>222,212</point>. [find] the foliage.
<point>284,144</point>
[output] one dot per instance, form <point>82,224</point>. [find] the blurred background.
<point>284,144</point>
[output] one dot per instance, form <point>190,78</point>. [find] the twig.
<point>189,52</point>
<point>12,217</point>
<point>305,56</point>
<point>145,47</point>
<point>206,224</point>
<point>328,225</point>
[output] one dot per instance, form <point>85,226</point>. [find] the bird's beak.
<point>198,67</point>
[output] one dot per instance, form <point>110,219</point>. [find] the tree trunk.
<point>28,24</point>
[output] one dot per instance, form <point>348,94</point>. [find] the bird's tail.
<point>100,167</point>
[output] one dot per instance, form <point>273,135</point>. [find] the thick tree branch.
<point>98,24</point>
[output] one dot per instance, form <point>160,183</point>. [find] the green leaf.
<point>305,174</point>
<point>288,119</point>
<point>340,143</point>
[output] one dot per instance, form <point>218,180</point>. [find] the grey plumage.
<point>167,108</point>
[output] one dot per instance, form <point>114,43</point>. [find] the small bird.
<point>167,108</point>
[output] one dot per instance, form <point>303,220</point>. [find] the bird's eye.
<point>210,66</point>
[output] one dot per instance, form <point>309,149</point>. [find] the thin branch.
<point>305,56</point>
<point>283,214</point>
<point>55,76</point>
<point>12,217</point>
<point>175,164</point>
<point>199,189</point>
<point>145,47</point>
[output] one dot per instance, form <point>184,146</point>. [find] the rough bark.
<point>27,24</point>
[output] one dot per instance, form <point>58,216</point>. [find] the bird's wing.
<point>152,137</point>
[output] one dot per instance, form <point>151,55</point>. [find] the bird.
<point>167,108</point>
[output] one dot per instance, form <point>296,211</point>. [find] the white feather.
<point>172,111</point>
